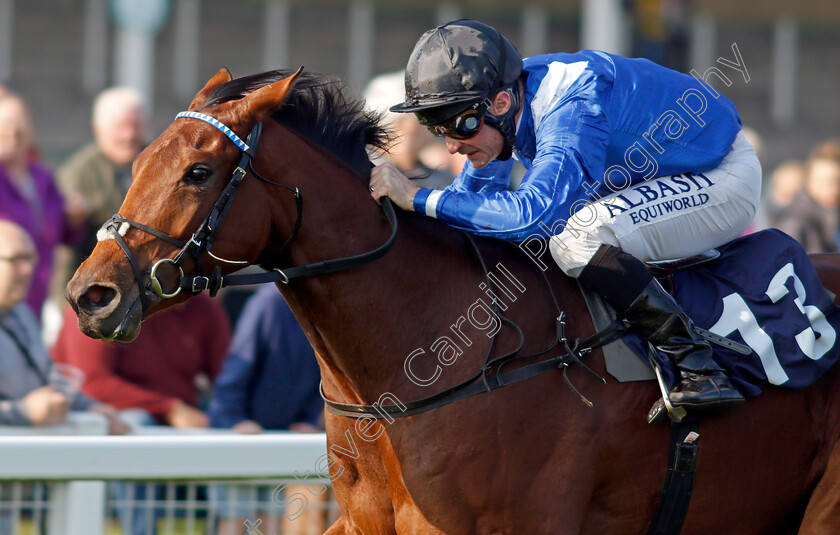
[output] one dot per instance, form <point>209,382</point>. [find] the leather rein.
<point>202,239</point>
<point>488,378</point>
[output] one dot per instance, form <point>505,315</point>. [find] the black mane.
<point>317,109</point>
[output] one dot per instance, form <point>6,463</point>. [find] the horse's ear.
<point>267,99</point>
<point>218,79</point>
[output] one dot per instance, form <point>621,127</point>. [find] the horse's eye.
<point>198,174</point>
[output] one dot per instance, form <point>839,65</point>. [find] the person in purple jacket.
<point>627,162</point>
<point>29,195</point>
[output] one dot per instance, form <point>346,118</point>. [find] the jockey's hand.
<point>387,181</point>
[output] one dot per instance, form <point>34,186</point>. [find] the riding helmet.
<point>455,65</point>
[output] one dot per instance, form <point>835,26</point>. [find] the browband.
<point>214,122</point>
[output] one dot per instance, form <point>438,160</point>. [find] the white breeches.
<point>669,217</point>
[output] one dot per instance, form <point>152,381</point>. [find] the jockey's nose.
<point>452,144</point>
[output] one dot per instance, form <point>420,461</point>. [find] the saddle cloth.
<point>763,292</point>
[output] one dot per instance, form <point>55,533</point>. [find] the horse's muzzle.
<point>106,311</point>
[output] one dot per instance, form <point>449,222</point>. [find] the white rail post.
<point>77,507</point>
<point>95,47</point>
<point>137,26</point>
<point>80,465</point>
<point>785,58</point>
<point>446,12</point>
<point>534,30</point>
<point>186,54</point>
<point>604,26</point>
<point>360,46</point>
<point>7,24</point>
<point>276,34</point>
<point>702,47</point>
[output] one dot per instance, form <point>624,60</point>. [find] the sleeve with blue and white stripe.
<point>570,154</point>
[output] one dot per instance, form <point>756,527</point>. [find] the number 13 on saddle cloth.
<point>764,292</point>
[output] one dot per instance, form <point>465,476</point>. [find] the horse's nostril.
<point>97,297</point>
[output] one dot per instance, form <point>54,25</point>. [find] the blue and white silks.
<point>588,117</point>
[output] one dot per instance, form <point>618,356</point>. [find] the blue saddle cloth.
<point>764,292</point>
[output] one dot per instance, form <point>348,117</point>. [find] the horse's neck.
<point>365,322</point>
<point>349,316</point>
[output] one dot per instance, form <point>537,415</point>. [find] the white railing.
<point>77,467</point>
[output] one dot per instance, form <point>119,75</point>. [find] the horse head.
<point>176,182</point>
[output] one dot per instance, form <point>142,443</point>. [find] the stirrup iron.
<point>676,414</point>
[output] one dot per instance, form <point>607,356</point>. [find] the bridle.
<point>203,238</point>
<point>488,378</point>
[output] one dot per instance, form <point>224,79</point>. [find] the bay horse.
<point>528,458</point>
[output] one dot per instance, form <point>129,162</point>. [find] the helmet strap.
<point>506,122</point>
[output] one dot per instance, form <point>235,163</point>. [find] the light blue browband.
<point>210,120</point>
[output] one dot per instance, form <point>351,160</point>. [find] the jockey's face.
<point>487,144</point>
<point>480,149</point>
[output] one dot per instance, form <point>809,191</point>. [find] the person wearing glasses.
<point>627,162</point>
<point>29,392</point>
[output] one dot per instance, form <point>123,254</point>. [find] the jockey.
<point>627,162</point>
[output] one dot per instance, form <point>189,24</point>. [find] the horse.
<point>418,317</point>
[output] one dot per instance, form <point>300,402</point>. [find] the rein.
<point>488,382</point>
<point>488,378</point>
<point>490,375</point>
<point>202,239</point>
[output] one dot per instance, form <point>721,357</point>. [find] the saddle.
<point>758,299</point>
<point>622,362</point>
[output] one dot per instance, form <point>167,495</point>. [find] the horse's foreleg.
<point>822,517</point>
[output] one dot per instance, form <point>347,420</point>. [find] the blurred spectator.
<point>661,31</point>
<point>164,372</point>
<point>161,371</point>
<point>787,180</point>
<point>96,178</point>
<point>754,139</point>
<point>814,214</point>
<point>28,391</point>
<point>28,194</point>
<point>270,377</point>
<point>649,30</point>
<point>409,136</point>
<point>269,381</point>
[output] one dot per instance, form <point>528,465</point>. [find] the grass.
<point>27,527</point>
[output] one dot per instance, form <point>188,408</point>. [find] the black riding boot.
<point>626,284</point>
<point>704,387</point>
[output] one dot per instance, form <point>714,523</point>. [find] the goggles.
<point>462,126</point>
